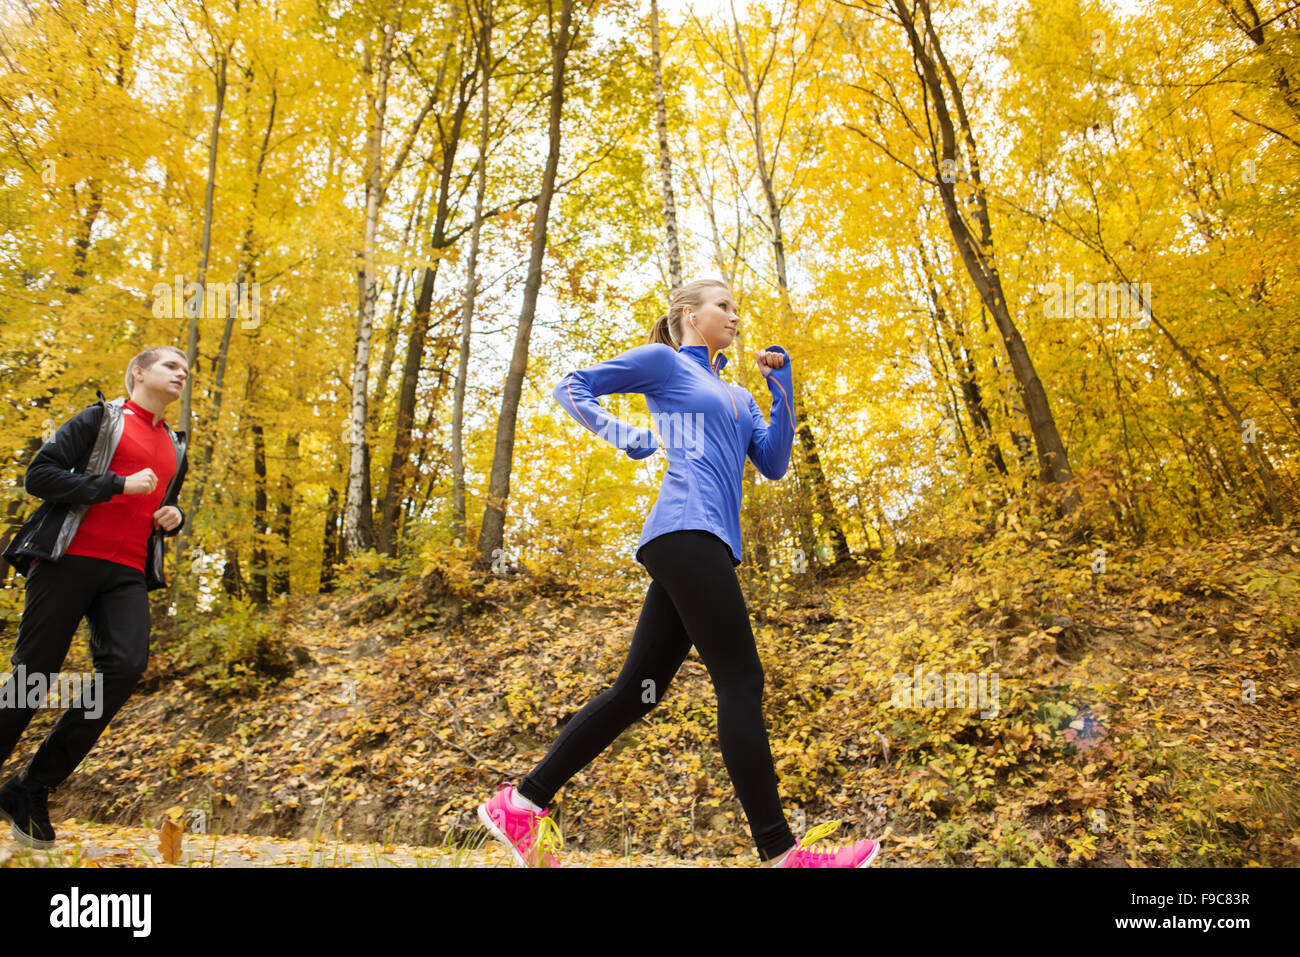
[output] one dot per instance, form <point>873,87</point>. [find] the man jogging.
<point>110,479</point>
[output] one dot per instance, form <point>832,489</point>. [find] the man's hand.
<point>141,483</point>
<point>769,359</point>
<point>167,518</point>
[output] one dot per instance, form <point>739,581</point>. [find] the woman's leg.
<point>659,645</point>
<point>695,567</point>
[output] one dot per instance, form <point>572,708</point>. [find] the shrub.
<point>235,652</point>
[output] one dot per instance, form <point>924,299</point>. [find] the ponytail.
<point>662,332</point>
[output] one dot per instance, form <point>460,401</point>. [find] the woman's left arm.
<point>770,445</point>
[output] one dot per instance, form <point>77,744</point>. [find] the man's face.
<point>165,378</point>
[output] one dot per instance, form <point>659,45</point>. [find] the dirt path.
<point>94,845</point>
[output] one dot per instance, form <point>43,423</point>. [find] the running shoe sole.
<point>499,834</point>
<point>21,836</point>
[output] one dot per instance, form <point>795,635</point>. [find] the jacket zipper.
<point>77,512</point>
<point>179,449</point>
<point>36,533</point>
<point>735,413</point>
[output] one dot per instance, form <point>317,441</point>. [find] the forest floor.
<point>82,844</point>
<point>1146,716</point>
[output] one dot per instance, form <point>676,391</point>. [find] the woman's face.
<point>714,319</point>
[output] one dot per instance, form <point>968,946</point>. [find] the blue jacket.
<point>697,419</point>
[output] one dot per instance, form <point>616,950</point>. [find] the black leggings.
<point>694,598</point>
<point>114,599</point>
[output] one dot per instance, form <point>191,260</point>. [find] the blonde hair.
<point>668,327</point>
<point>145,360</point>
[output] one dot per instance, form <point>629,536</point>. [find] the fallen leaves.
<point>169,840</point>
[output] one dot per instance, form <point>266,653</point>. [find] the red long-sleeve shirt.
<point>118,530</point>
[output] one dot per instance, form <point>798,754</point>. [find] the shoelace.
<point>816,834</point>
<point>547,840</point>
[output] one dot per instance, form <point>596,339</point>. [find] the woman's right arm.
<point>644,369</point>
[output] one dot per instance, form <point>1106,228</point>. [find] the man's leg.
<point>659,646</point>
<point>58,594</point>
<point>119,645</point>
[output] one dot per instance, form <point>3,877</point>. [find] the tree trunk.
<point>261,529</point>
<point>665,159</point>
<point>232,580</point>
<point>401,284</point>
<point>330,548</point>
<point>492,531</point>
<point>460,527</point>
<point>205,247</point>
<point>81,246</point>
<point>246,268</point>
<point>952,334</point>
<point>358,528</point>
<point>977,254</point>
<point>205,243</point>
<point>358,521</point>
<point>399,463</point>
<point>766,173</point>
<point>280,581</point>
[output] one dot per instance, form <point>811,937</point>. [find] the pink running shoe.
<point>860,854</point>
<point>530,836</point>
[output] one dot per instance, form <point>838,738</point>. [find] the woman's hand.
<point>769,359</point>
<point>643,443</point>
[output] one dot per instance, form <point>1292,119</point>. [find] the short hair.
<point>146,359</point>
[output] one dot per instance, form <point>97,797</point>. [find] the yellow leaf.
<point>169,841</point>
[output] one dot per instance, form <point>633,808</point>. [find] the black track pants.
<point>694,598</point>
<point>59,594</point>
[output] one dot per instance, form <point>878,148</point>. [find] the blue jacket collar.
<point>714,363</point>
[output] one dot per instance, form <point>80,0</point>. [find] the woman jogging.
<point>690,545</point>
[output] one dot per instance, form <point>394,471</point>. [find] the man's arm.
<point>50,475</point>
